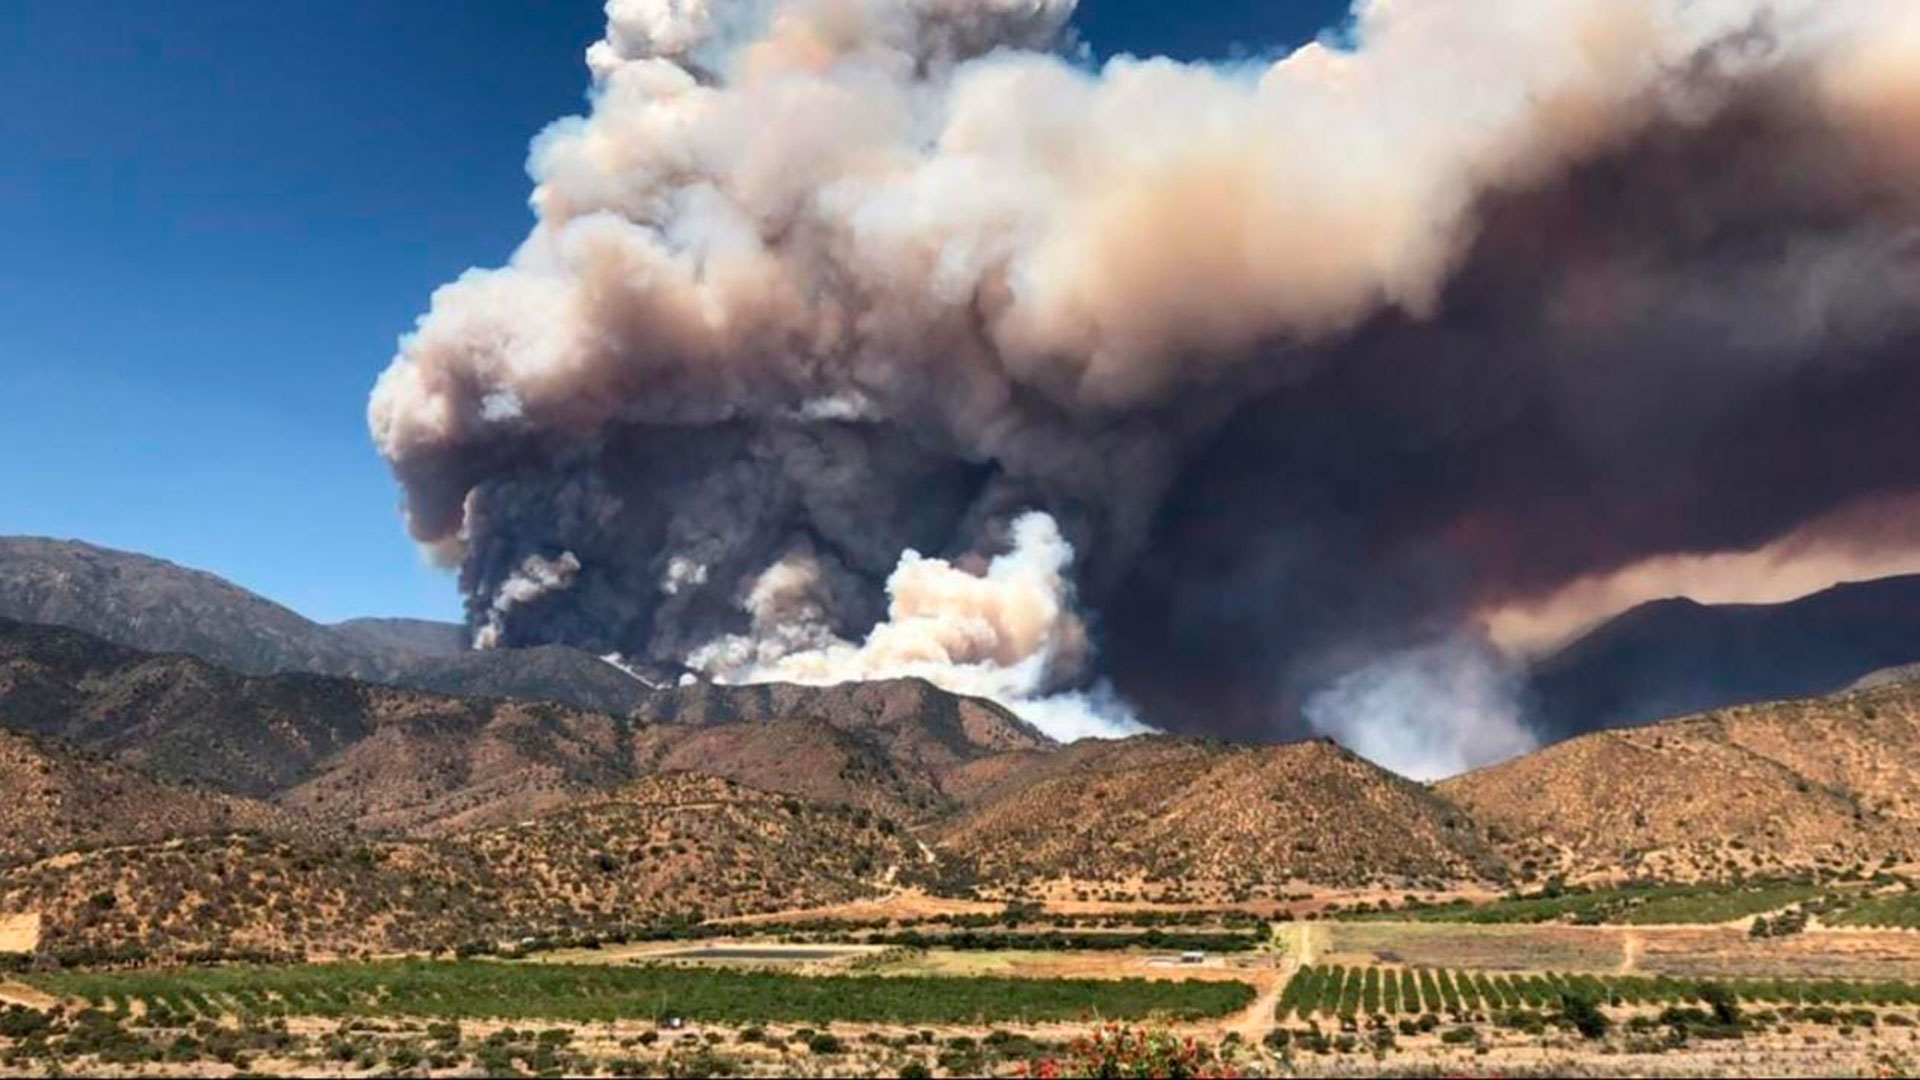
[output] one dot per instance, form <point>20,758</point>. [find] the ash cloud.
<point>1307,365</point>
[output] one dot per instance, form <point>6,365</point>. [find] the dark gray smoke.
<point>848,345</point>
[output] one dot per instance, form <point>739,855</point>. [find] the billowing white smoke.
<point>788,223</point>
<point>1429,712</point>
<point>1007,631</point>
<point>536,577</point>
<point>860,197</point>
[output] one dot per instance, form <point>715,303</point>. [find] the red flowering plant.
<point>1116,1050</point>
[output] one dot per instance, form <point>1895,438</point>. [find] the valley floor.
<point>811,995</point>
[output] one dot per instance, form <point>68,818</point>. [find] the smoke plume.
<point>1205,388</point>
<point>1427,712</point>
<point>537,577</point>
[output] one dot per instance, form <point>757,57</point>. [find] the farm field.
<point>770,954</point>
<point>482,989</point>
<point>994,992</point>
<point>1728,952</point>
<point>1338,992</point>
<point>1633,905</point>
<point>1901,910</point>
<point>1051,964</point>
<point>1316,998</point>
<point>1695,952</point>
<point>1478,947</point>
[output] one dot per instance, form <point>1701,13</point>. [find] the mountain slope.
<point>60,798</point>
<point>1673,657</point>
<point>1235,820</point>
<point>423,637</point>
<point>1753,788</point>
<point>802,756</point>
<point>900,747</point>
<point>180,717</point>
<point>155,606</point>
<point>343,752</point>
<point>911,714</point>
<point>662,847</point>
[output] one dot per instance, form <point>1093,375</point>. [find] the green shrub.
<point>825,1043</point>
<point>1585,1016</point>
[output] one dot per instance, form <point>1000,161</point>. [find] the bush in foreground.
<point>1119,1050</point>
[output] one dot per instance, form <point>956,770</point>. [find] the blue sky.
<point>216,216</point>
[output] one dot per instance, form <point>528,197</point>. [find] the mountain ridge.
<point>154,605</point>
<point>1675,656</point>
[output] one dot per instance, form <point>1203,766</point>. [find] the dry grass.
<point>1725,952</point>
<point>1488,948</point>
<point>1168,819</point>
<point>1753,790</point>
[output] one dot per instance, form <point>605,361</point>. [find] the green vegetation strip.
<point>605,992</point>
<point>1899,911</point>
<point>1634,905</point>
<point>1076,941</point>
<point>1334,991</point>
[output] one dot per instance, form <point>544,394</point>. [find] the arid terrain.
<point>209,871</point>
<point>961,538</point>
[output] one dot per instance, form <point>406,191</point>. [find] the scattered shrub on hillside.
<point>825,1043</point>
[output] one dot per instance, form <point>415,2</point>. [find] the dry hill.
<point>663,848</point>
<point>341,751</point>
<point>900,747</point>
<point>182,718</point>
<point>1212,819</point>
<point>60,798</point>
<point>1753,788</point>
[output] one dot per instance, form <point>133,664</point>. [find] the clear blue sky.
<point>216,216</point>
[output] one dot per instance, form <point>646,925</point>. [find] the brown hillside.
<point>901,747</point>
<point>802,756</point>
<point>59,797</point>
<point>677,842</point>
<point>912,717</point>
<point>1212,817</point>
<point>663,847</point>
<point>340,751</point>
<point>432,765</point>
<point>379,748</point>
<point>1785,786</point>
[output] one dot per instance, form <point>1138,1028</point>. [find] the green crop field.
<point>1074,941</point>
<point>1633,905</point>
<point>1333,991</point>
<point>1898,910</point>
<point>479,989</point>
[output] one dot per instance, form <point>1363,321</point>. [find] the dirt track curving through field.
<point>1629,952</point>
